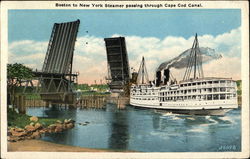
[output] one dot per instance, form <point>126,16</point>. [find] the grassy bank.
<point>97,87</point>
<point>86,93</point>
<point>21,120</point>
<point>33,96</point>
<point>239,87</point>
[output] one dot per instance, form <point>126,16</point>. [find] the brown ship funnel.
<point>134,77</point>
<point>166,76</point>
<point>158,78</point>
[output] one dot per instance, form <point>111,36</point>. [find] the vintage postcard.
<point>131,79</point>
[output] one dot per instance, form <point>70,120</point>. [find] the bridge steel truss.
<point>54,88</point>
<point>55,83</point>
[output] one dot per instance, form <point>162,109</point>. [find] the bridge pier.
<point>20,104</point>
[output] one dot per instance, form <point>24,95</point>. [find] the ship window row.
<point>207,90</point>
<point>133,93</point>
<point>204,83</point>
<point>199,97</point>
<point>144,91</point>
<point>145,98</point>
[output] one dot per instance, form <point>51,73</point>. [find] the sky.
<point>158,35</point>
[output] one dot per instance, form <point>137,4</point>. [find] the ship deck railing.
<point>194,93</point>
<point>208,86</point>
<point>205,79</point>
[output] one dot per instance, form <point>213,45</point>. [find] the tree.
<point>15,74</point>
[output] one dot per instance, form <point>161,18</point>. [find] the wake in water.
<point>198,130</point>
<point>168,113</point>
<point>191,118</point>
<point>228,119</point>
<point>212,120</point>
<point>208,121</point>
<point>195,124</point>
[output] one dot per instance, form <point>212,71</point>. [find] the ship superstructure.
<point>195,94</point>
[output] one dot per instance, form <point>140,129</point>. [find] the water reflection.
<point>60,112</point>
<point>156,122</point>
<point>145,130</point>
<point>119,131</point>
<point>65,137</point>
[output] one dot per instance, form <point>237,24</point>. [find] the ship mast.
<point>194,62</point>
<point>142,73</point>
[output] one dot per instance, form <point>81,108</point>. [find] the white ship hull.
<point>178,100</point>
<point>211,110</point>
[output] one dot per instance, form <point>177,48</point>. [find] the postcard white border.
<point>243,5</point>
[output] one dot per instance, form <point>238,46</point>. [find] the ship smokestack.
<point>134,77</point>
<point>166,76</point>
<point>158,78</point>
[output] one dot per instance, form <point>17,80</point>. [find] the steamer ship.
<point>194,95</point>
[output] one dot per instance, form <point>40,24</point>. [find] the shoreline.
<point>45,146</point>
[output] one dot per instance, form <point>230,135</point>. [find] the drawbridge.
<point>118,64</point>
<point>55,82</point>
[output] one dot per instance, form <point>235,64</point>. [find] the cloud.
<point>31,53</point>
<point>31,60</point>
<point>228,43</point>
<point>226,67</point>
<point>91,61</point>
<point>27,47</point>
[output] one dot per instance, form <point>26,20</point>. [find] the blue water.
<point>146,130</point>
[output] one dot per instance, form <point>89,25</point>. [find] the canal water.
<point>146,130</point>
